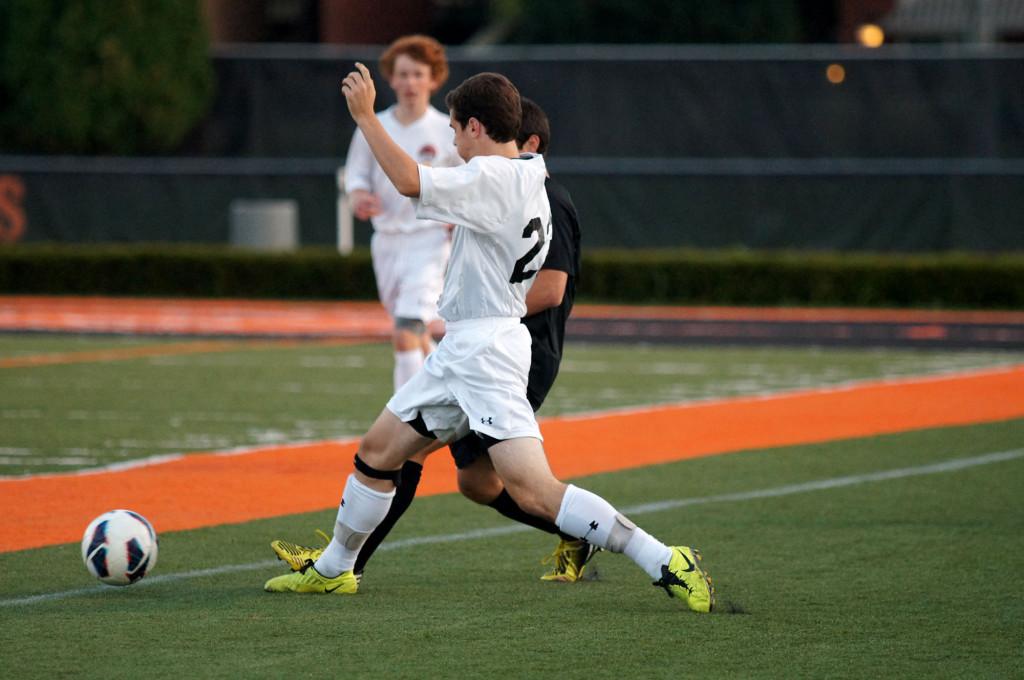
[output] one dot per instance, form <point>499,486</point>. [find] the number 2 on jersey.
<point>519,272</point>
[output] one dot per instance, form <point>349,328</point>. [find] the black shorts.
<point>468,449</point>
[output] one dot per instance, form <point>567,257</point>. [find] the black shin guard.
<point>404,493</point>
<point>507,506</point>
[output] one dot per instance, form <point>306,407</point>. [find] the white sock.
<point>406,365</point>
<point>361,510</point>
<point>590,517</point>
<point>649,553</point>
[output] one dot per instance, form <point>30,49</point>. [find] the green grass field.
<point>917,575</point>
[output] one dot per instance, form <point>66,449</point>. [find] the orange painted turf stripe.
<point>368,319</point>
<point>206,490</point>
<point>169,349</point>
<point>193,316</point>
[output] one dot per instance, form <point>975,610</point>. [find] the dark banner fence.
<point>814,147</point>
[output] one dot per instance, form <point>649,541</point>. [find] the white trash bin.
<point>265,224</point>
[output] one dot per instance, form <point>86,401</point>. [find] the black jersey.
<point>547,328</point>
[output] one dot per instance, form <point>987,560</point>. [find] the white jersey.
<point>502,232</point>
<point>429,141</point>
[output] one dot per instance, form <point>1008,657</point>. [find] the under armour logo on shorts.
<point>487,421</point>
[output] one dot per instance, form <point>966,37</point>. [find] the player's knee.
<point>473,493</point>
<point>409,325</point>
<point>408,333</point>
<point>372,449</point>
<point>480,489</point>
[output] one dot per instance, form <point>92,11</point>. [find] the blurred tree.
<point>652,21</point>
<point>118,76</point>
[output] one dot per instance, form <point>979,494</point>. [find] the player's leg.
<point>480,483</point>
<point>415,271</point>
<point>427,343</point>
<point>523,468</point>
<point>406,339</point>
<point>418,277</point>
<point>388,269</point>
<point>405,427</point>
<point>370,489</point>
<point>299,556</point>
<point>364,504</point>
<point>514,444</point>
<point>404,495</point>
<point>418,274</point>
<point>491,386</point>
<point>477,479</point>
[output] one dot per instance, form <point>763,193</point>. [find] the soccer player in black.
<point>549,303</point>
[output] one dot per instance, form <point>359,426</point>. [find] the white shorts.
<point>409,268</point>
<point>474,380</point>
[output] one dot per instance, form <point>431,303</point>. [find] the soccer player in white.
<point>409,254</point>
<point>477,377</point>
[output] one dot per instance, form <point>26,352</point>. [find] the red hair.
<point>421,48</point>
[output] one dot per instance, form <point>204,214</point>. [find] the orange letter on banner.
<point>12,217</point>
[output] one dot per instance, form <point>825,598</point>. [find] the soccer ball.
<point>119,547</point>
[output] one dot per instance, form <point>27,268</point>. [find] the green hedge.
<point>682,277</point>
<point>762,278</point>
<point>184,271</point>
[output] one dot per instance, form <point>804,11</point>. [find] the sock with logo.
<point>404,495</point>
<point>588,516</point>
<point>361,510</point>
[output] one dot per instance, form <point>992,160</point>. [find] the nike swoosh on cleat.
<point>692,566</point>
<point>331,590</point>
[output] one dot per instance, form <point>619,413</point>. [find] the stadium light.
<point>870,35</point>
<point>835,73</point>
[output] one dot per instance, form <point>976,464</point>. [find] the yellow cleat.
<point>310,580</point>
<point>684,578</point>
<point>299,557</point>
<point>570,558</point>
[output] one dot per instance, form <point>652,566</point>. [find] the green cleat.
<point>309,580</point>
<point>684,578</point>
<point>570,558</point>
<point>299,557</point>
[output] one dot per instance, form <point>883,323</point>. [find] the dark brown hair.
<point>535,122</point>
<point>421,48</point>
<point>493,100</point>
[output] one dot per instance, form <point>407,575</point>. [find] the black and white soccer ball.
<point>119,547</point>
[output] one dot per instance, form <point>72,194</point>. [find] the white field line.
<point>170,457</point>
<point>583,415</point>
<point>952,465</point>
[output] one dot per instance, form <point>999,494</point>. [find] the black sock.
<point>508,507</point>
<point>404,494</point>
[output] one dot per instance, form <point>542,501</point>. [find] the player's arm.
<point>547,290</point>
<point>359,178</point>
<point>548,287</point>
<point>400,168</point>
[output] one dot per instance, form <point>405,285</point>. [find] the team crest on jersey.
<point>427,153</point>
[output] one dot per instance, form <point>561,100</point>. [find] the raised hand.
<point>359,92</point>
